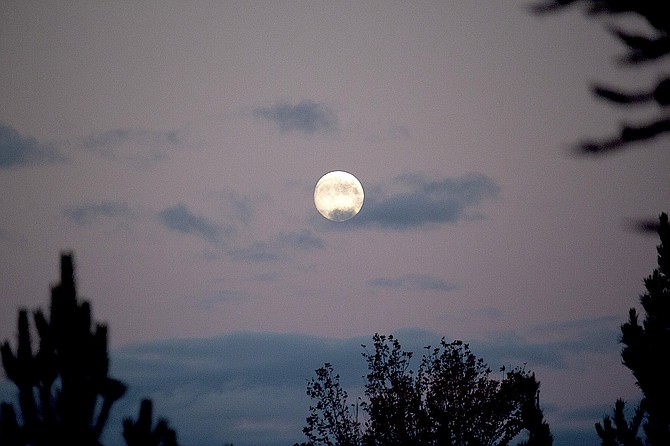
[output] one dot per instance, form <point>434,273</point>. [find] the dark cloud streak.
<point>116,137</point>
<point>178,218</point>
<point>139,147</point>
<point>421,202</point>
<point>413,282</point>
<point>17,150</point>
<point>90,213</point>
<point>275,249</point>
<point>307,117</point>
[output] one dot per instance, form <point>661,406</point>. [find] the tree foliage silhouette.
<point>330,422</point>
<point>646,350</point>
<point>141,433</point>
<point>65,393</point>
<point>642,49</point>
<point>450,400</point>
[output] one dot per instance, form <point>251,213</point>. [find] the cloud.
<point>249,388</point>
<point>307,116</point>
<point>260,251</point>
<point>239,206</point>
<point>245,388</point>
<point>139,147</point>
<point>552,345</point>
<point>416,201</point>
<point>413,282</point>
<point>89,213</point>
<point>302,240</point>
<point>178,218</point>
<point>264,251</point>
<point>17,150</point>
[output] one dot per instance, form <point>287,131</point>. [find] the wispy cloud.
<point>239,208</point>
<point>259,251</point>
<point>90,213</point>
<point>302,240</point>
<point>178,218</point>
<point>276,249</point>
<point>17,150</point>
<point>139,147</point>
<point>235,245</point>
<point>307,117</point>
<point>416,201</point>
<point>552,345</point>
<point>413,282</point>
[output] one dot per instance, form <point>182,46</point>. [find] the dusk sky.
<point>174,148</point>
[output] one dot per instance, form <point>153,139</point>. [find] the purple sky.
<point>174,147</point>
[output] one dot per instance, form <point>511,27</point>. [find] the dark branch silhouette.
<point>660,94</point>
<point>629,134</point>
<point>641,49</point>
<point>653,11</point>
<point>616,430</point>
<point>647,226</point>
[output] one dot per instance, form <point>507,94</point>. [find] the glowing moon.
<point>338,196</point>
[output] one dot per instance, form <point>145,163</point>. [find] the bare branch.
<point>629,134</point>
<point>643,48</point>
<point>619,97</point>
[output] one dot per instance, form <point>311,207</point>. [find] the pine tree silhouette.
<point>647,346</point>
<point>646,352</point>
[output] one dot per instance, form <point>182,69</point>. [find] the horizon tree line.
<point>65,393</point>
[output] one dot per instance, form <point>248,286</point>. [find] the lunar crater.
<point>338,196</point>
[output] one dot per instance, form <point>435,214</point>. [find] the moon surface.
<point>338,196</point>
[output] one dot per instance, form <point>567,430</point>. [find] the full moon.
<point>338,196</point>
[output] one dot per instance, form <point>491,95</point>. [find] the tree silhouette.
<point>642,49</point>
<point>60,386</point>
<point>646,352</point>
<point>65,393</point>
<point>617,430</point>
<point>140,432</point>
<point>330,422</point>
<point>450,400</point>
